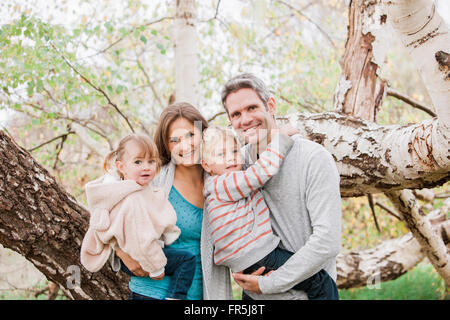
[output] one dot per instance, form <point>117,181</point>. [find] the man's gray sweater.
<point>305,205</point>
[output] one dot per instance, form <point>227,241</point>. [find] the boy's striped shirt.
<point>237,215</point>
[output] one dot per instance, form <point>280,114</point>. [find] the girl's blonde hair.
<point>146,144</point>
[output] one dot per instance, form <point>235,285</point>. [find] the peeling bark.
<point>424,34</point>
<point>363,91</point>
<point>372,158</point>
<point>421,228</point>
<point>42,222</point>
<point>389,260</point>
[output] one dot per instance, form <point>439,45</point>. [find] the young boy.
<point>238,217</point>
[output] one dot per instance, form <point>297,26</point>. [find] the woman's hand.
<point>131,264</point>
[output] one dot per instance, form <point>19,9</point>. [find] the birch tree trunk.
<point>355,95</point>
<point>372,158</point>
<point>186,49</point>
<point>42,222</point>
<point>390,259</point>
<point>360,92</point>
<point>425,35</point>
<point>421,228</point>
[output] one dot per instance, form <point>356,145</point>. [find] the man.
<point>304,197</point>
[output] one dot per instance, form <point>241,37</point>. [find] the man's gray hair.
<point>245,80</point>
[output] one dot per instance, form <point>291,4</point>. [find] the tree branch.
<point>311,108</point>
<point>94,87</point>
<point>126,35</point>
<point>372,208</point>
<point>414,103</point>
<point>311,21</point>
<point>62,136</point>
<point>216,115</point>
<point>388,210</point>
<point>155,94</point>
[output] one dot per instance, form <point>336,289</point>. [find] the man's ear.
<point>271,106</point>
<point>228,114</point>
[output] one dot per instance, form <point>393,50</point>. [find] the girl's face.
<point>136,165</point>
<point>184,142</point>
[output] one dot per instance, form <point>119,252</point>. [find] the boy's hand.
<point>288,130</point>
<point>285,129</point>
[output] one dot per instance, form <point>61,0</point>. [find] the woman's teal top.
<point>189,220</point>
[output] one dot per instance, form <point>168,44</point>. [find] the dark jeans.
<point>137,296</point>
<point>318,287</point>
<point>180,266</point>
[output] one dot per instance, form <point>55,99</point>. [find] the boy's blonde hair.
<point>147,145</point>
<point>210,137</point>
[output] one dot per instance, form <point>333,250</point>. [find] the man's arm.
<point>324,206</point>
<point>237,185</point>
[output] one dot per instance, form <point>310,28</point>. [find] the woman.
<point>178,138</point>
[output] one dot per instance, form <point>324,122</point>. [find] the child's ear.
<point>119,166</point>
<point>205,166</point>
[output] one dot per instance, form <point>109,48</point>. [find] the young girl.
<point>131,214</point>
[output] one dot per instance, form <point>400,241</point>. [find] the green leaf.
<point>119,89</point>
<point>108,27</point>
<point>143,39</point>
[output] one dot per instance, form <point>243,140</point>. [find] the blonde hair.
<point>146,144</point>
<point>210,137</point>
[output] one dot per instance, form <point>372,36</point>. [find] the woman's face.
<point>184,142</point>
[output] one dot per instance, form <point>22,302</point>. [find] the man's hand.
<point>131,264</point>
<point>249,282</point>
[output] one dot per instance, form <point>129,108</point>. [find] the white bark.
<point>424,33</point>
<point>372,158</point>
<point>422,230</point>
<point>385,262</point>
<point>186,50</point>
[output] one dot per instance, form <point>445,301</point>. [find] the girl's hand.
<point>131,264</point>
<point>160,277</point>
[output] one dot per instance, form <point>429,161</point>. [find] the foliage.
<point>420,283</point>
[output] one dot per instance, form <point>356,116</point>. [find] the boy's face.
<point>224,157</point>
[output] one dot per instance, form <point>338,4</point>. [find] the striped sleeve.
<point>237,185</point>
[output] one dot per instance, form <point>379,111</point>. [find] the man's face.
<point>249,116</point>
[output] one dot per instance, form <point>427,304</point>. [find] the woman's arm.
<point>131,264</point>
